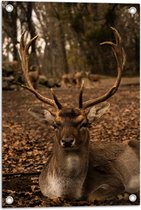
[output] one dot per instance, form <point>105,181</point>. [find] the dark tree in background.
<point>26,18</point>
<point>130,30</point>
<point>70,35</point>
<point>20,19</point>
<point>9,25</point>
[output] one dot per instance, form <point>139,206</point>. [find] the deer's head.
<point>71,124</point>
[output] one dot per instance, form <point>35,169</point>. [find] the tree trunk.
<point>32,32</point>
<point>65,66</point>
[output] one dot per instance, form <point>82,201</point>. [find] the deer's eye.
<point>84,124</point>
<point>56,125</point>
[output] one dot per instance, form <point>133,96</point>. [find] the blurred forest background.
<point>69,38</point>
<point>68,50</point>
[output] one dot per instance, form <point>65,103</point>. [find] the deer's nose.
<point>68,142</point>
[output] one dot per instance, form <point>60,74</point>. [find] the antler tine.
<point>24,54</point>
<point>120,58</point>
<point>30,42</point>
<point>56,99</point>
<point>81,95</point>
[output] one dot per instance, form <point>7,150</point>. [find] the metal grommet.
<point>9,200</point>
<point>9,7</point>
<point>132,11</point>
<point>132,197</point>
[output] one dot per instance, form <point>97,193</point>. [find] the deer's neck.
<point>69,163</point>
<point>66,174</point>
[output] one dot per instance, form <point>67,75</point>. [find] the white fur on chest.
<point>73,163</point>
<point>69,182</point>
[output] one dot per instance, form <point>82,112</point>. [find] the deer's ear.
<point>97,111</point>
<point>43,115</point>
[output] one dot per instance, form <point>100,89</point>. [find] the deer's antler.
<point>24,54</point>
<point>120,58</point>
<point>81,95</point>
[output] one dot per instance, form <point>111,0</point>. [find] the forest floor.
<point>26,145</point>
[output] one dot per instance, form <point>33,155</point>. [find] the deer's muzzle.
<point>68,142</point>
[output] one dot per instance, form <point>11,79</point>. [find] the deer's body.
<point>112,170</point>
<point>79,77</point>
<point>93,77</point>
<point>94,171</point>
<point>68,80</point>
<point>79,168</point>
<point>71,79</point>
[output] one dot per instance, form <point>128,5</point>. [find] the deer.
<point>79,168</point>
<point>68,80</point>
<point>72,79</point>
<point>79,75</point>
<point>93,77</point>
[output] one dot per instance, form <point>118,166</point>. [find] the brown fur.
<point>95,171</point>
